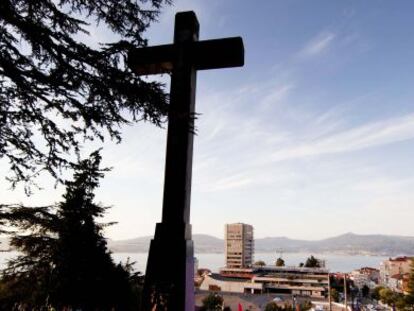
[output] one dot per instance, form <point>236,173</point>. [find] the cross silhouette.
<point>169,277</point>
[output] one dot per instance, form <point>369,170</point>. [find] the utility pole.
<point>345,293</point>
<point>329,292</point>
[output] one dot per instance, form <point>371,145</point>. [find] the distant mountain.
<point>287,245</point>
<point>203,243</point>
<point>137,245</point>
<point>348,243</point>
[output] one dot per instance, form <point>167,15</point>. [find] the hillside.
<point>203,243</point>
<point>348,243</point>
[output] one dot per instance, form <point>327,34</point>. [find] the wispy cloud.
<point>369,135</point>
<point>230,182</point>
<point>318,44</point>
<point>276,95</point>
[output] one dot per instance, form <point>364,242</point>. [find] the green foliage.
<point>260,263</point>
<point>312,262</point>
<point>376,292</point>
<point>337,284</point>
<point>365,291</point>
<point>280,262</point>
<point>212,302</point>
<point>48,74</point>
<point>391,298</point>
<point>387,296</point>
<point>272,306</point>
<point>334,294</point>
<point>400,301</point>
<point>63,258</point>
<point>305,306</point>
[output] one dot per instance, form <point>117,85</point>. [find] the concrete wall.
<point>210,283</point>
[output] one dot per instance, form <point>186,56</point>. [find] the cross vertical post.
<point>174,271</point>
<point>169,277</point>
<point>179,157</point>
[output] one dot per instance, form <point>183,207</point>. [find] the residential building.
<point>399,282</point>
<point>392,268</point>
<point>365,276</point>
<point>239,245</point>
<point>405,286</point>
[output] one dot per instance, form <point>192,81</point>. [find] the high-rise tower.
<point>239,245</point>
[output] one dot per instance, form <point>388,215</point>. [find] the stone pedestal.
<point>169,280</point>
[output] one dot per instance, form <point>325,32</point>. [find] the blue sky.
<point>313,137</point>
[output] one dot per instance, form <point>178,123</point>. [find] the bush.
<point>212,302</point>
<point>272,306</point>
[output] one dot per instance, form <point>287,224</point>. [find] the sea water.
<point>334,262</point>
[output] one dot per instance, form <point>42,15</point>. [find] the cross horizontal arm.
<point>218,53</point>
<point>207,54</point>
<point>152,60</point>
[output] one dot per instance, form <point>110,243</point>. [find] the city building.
<point>301,281</point>
<point>240,276</point>
<point>239,245</point>
<point>219,283</point>
<point>405,286</point>
<point>365,276</point>
<point>399,282</point>
<point>392,269</point>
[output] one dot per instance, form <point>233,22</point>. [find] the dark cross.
<point>169,278</point>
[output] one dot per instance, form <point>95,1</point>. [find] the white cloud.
<point>318,44</point>
<point>230,182</point>
<point>369,135</point>
<point>277,95</point>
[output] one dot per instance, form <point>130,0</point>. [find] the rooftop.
<point>219,277</point>
<point>397,276</point>
<point>402,258</point>
<point>293,269</point>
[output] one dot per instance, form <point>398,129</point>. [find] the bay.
<point>334,262</point>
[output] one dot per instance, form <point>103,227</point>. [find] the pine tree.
<point>65,261</point>
<point>260,263</point>
<point>48,74</point>
<point>312,262</point>
<point>280,262</point>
